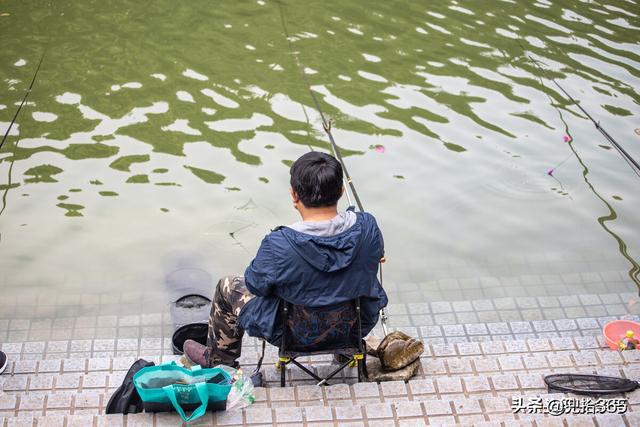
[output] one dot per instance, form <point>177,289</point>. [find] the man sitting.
<point>327,258</point>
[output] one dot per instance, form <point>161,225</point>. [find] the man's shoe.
<point>3,362</point>
<point>194,352</point>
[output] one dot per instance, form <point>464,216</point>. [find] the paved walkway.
<point>479,356</point>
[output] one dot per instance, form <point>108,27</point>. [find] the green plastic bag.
<point>169,385</point>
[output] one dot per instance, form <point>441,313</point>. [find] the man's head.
<point>316,180</point>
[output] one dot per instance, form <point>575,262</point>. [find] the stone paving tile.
<point>349,412</point>
<point>318,413</point>
<point>449,385</point>
<point>258,415</point>
<point>437,407</point>
<point>408,409</point>
<point>378,410</point>
<point>366,389</point>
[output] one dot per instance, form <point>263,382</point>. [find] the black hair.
<point>317,179</point>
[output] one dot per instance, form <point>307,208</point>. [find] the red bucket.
<point>615,330</point>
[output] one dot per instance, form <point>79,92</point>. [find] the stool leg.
<point>283,373</point>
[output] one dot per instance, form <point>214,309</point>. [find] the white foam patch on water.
<point>355,31</point>
<point>421,30</point>
<point>91,114</point>
<point>20,63</point>
<point>238,125</point>
<point>257,92</point>
<point>371,58</point>
<point>438,28</point>
<point>159,76</point>
<point>507,33</point>
<point>372,77</point>
<point>182,126</point>
<point>109,126</point>
<point>248,46</point>
<point>436,15</point>
<point>536,42</point>
<point>378,39</point>
<point>14,129</point>
<point>129,85</point>
<point>228,25</point>
<point>2,106</point>
<point>548,23</point>
<point>194,75</point>
<point>335,18</point>
<point>69,98</point>
<point>333,33</point>
<point>276,67</point>
<point>307,35</point>
<point>283,106</point>
<point>220,99</point>
<point>459,61</point>
<point>621,22</point>
<point>41,116</point>
<point>184,96</point>
<point>474,43</point>
<point>343,77</point>
<point>435,64</point>
<point>617,9</point>
<point>209,111</point>
<point>461,10</point>
<point>12,82</point>
<point>261,3</point>
<point>27,103</point>
<point>570,15</point>
<point>604,29</point>
<point>308,70</point>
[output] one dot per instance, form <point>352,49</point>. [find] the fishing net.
<point>593,385</point>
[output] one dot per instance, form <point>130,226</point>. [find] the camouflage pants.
<point>224,341</point>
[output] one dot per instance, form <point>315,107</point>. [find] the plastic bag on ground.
<point>241,394</point>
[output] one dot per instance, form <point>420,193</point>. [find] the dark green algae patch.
<point>138,179</point>
<point>124,163</point>
<point>210,177</point>
<point>42,173</point>
<point>72,209</point>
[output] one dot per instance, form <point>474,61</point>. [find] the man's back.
<point>338,262</point>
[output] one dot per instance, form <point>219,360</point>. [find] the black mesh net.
<point>592,385</point>
<point>319,329</point>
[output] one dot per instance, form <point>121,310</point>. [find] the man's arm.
<point>261,274</point>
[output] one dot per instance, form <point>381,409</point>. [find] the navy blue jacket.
<point>314,271</point>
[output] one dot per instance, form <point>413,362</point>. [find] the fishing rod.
<point>625,155</point>
<point>24,100</point>
<point>326,125</point>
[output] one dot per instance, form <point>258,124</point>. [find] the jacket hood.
<point>327,253</point>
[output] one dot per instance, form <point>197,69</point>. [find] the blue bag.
<point>170,387</point>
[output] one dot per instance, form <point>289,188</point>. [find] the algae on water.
<point>210,177</point>
<point>42,173</point>
<point>124,163</point>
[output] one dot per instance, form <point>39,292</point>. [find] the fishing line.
<point>24,99</point>
<point>626,156</point>
<point>634,272</point>
<point>15,117</point>
<point>326,125</point>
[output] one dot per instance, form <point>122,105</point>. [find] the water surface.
<point>160,136</point>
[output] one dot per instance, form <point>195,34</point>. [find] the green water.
<point>159,134</point>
